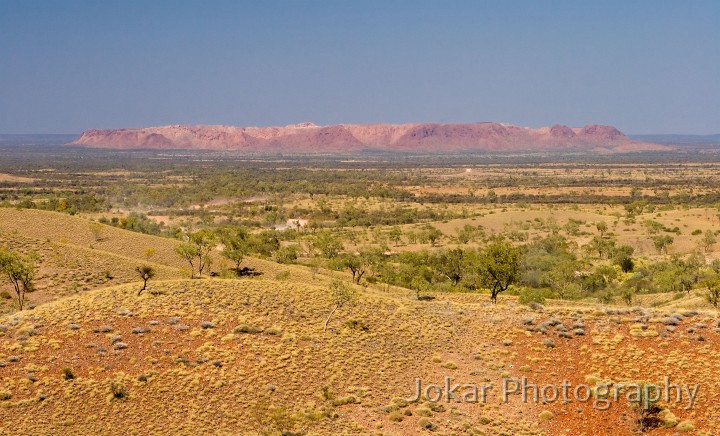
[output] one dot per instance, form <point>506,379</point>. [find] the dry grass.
<point>14,179</point>
<point>250,356</point>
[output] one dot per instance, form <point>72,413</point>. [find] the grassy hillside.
<point>250,356</point>
<point>74,259</point>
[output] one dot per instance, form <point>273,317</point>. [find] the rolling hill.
<point>250,355</point>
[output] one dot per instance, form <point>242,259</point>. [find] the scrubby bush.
<point>528,296</point>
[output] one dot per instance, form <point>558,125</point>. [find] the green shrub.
<point>685,426</point>
<point>282,275</point>
<point>423,411</point>
<point>355,324</point>
<point>528,296</point>
<point>427,424</point>
<point>244,328</point>
<point>68,374</point>
<point>119,391</point>
<point>395,416</point>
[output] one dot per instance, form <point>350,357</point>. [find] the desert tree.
<point>341,294</point>
<point>359,263</point>
<point>690,270</point>
<point>351,261</point>
<point>606,295</point>
<point>433,234</point>
<point>204,241</point>
<point>235,245</point>
<point>98,231</point>
<point>187,251</point>
<point>421,283</point>
<point>603,247</point>
<point>653,227</point>
<point>498,267</point>
<point>449,264</point>
<point>197,248</point>
<point>627,293</point>
<point>662,242</point>
<point>491,197</point>
<point>601,228</point>
<point>411,237</point>
<point>287,254</point>
<point>395,235</point>
<point>622,257</point>
<point>715,266</point>
<point>20,271</point>
<point>709,239</point>
<point>328,243</point>
<point>465,234</point>
<point>146,272</point>
<point>712,286</point>
<point>264,243</point>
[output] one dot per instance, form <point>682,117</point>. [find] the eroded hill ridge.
<point>349,138</point>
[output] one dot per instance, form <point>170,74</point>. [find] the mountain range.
<point>350,138</point>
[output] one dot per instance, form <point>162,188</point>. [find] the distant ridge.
<point>678,139</point>
<point>35,138</point>
<point>349,138</point>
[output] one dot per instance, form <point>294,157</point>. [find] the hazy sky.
<point>644,66</point>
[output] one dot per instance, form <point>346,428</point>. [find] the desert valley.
<point>386,218</point>
<point>310,294</point>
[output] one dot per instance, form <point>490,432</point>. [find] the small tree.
<point>355,263</point>
<point>411,237</point>
<point>662,242</point>
<point>98,231</point>
<point>236,245</point>
<point>627,293</point>
<point>395,235</point>
<point>415,277</point>
<point>602,228</point>
<point>449,263</point>
<point>329,244</point>
<point>604,247</point>
<point>713,291</point>
<point>433,235</point>
<point>287,254</point>
<point>146,272</point>
<point>499,267</point>
<point>342,294</point>
<point>187,251</point>
<point>606,295</point>
<point>197,248</point>
<point>359,263</point>
<point>709,240</point>
<point>622,257</point>
<point>20,271</point>
<point>204,241</point>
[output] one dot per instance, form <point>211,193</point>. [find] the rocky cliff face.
<point>348,138</point>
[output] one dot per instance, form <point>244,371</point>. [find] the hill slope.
<point>251,357</point>
<point>350,138</point>
<point>74,258</point>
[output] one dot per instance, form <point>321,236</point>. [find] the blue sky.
<point>643,66</point>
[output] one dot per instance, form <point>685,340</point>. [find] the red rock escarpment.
<point>348,138</point>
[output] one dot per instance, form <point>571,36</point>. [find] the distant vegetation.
<point>312,292</point>
<point>394,224</point>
